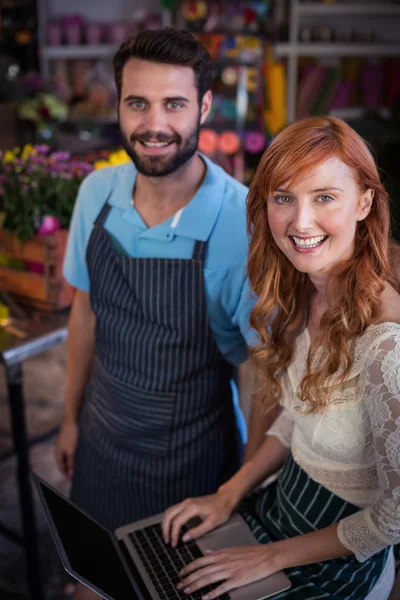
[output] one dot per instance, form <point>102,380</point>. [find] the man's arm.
<point>80,347</point>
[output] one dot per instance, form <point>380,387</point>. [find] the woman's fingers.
<point>207,525</point>
<point>224,588</point>
<point>169,515</point>
<point>234,567</point>
<point>202,577</point>
<point>199,563</point>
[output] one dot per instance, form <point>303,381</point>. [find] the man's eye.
<point>137,104</point>
<point>174,105</point>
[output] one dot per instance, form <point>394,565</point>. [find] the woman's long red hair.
<point>283,293</point>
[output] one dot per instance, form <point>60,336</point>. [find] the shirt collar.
<point>198,217</point>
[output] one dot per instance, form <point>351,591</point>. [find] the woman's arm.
<point>259,420</point>
<point>216,509</point>
<point>269,457</point>
<point>235,567</point>
<point>370,530</point>
<point>362,534</point>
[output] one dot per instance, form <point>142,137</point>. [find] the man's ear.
<point>205,107</point>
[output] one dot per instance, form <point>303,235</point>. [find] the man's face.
<point>160,116</point>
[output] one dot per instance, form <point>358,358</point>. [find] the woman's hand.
<point>213,510</point>
<point>232,567</point>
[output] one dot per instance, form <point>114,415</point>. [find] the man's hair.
<point>168,46</point>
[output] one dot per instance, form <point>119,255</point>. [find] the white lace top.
<point>353,447</point>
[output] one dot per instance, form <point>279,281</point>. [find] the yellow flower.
<point>118,158</point>
<point>27,150</point>
<point>100,164</point>
<point>8,156</point>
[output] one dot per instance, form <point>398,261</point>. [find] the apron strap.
<point>199,251</point>
<point>103,214</point>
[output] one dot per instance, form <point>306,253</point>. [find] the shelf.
<point>358,112</point>
<point>81,51</point>
<point>283,49</point>
<point>321,49</point>
<point>354,8</point>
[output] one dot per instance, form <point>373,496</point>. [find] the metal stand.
<point>30,536</point>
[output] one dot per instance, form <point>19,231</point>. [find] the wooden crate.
<point>9,137</point>
<point>48,291</point>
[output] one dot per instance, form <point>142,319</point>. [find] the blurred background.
<point>275,61</point>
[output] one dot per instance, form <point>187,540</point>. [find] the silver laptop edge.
<point>233,533</point>
<point>64,559</point>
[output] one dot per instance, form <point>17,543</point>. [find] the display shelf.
<point>353,8</point>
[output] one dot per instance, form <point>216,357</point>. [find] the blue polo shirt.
<point>215,214</point>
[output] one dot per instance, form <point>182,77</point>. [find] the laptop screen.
<point>88,547</point>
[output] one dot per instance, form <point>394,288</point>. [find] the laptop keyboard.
<point>163,562</point>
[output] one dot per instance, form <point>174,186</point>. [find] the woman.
<point>328,319</point>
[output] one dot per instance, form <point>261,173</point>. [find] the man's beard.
<point>160,166</point>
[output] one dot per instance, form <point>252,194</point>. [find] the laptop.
<point>134,562</point>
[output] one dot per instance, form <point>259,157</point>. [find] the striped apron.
<point>294,504</point>
<point>158,422</point>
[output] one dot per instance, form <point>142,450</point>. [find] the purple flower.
<point>42,149</point>
<point>36,159</point>
<point>60,156</point>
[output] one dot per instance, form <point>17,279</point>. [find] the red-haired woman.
<point>328,319</point>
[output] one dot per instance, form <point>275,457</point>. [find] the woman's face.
<point>314,222</point>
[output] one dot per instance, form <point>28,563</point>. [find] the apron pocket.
<point>139,420</point>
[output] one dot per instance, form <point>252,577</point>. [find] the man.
<point>157,252</point>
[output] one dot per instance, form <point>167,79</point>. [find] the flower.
<point>27,150</point>
<point>35,182</point>
<point>8,156</point>
<point>41,108</point>
<point>100,164</point>
<point>118,157</point>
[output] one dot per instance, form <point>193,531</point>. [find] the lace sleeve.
<point>282,428</point>
<point>378,526</point>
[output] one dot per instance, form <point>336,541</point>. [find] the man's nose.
<point>155,119</point>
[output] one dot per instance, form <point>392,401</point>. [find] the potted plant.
<point>36,183</point>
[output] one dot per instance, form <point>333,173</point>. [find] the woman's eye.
<point>325,199</point>
<point>282,199</point>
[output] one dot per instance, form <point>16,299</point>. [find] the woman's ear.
<point>365,203</point>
